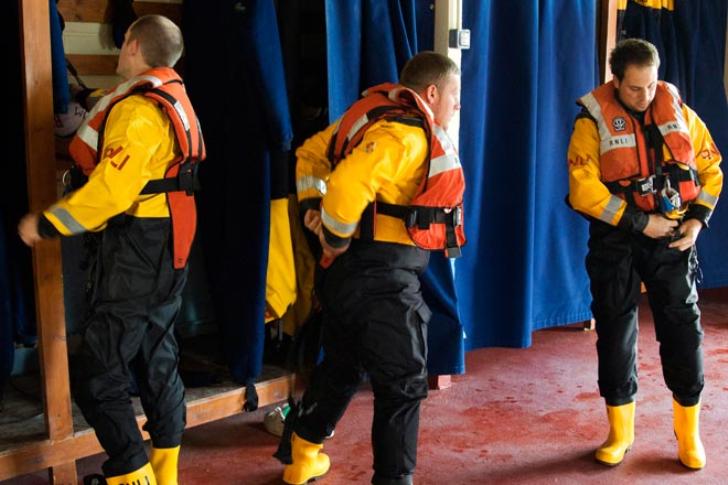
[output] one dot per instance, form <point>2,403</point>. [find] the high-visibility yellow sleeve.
<point>707,161</point>
<point>587,193</point>
<point>313,167</point>
<point>138,146</point>
<point>387,165</point>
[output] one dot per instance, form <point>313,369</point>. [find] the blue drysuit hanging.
<point>234,73</point>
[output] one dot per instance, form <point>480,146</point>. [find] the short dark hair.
<point>159,38</point>
<point>427,68</point>
<point>632,52</point>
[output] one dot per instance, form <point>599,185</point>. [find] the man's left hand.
<point>330,253</point>
<point>689,231</point>
<point>28,229</point>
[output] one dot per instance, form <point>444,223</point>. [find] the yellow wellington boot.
<point>308,462</point>
<point>621,435</point>
<point>164,463</point>
<point>142,476</point>
<point>686,421</point>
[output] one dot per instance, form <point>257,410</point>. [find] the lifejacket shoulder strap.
<point>189,138</point>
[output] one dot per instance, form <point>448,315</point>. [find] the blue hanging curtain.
<point>6,320</point>
<point>235,77</point>
<point>523,268</point>
<point>17,314</point>
<point>691,43</point>
<point>368,42</point>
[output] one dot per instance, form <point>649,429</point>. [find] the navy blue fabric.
<point>7,346</point>
<point>523,268</point>
<point>368,42</point>
<point>17,322</point>
<point>234,74</point>
<point>691,42</point>
<point>61,91</point>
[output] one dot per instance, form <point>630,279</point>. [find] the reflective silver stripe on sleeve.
<point>613,142</point>
<point>361,121</point>
<point>310,182</point>
<point>443,163</point>
<point>67,220</point>
<point>336,226</point>
<point>709,199</point>
<point>610,211</point>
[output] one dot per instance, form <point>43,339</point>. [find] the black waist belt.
<point>186,180</point>
<point>648,185</point>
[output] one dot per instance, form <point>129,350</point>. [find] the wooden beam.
<point>48,453</point>
<point>100,11</point>
<point>93,64</point>
<point>41,173</point>
<point>85,11</point>
<point>607,30</point>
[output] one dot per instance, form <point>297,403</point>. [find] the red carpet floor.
<point>517,416</point>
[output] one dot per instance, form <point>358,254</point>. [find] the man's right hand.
<point>659,226</point>
<point>312,220</point>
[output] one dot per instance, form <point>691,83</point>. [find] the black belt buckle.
<point>411,220</point>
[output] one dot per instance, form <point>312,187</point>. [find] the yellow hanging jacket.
<point>588,192</point>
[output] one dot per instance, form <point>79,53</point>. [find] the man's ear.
<point>133,46</point>
<point>431,93</point>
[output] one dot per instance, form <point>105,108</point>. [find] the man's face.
<point>445,100</point>
<point>637,87</point>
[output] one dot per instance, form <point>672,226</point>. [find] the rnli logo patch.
<point>619,123</point>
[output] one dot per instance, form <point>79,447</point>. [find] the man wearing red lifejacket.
<point>645,171</point>
<point>138,146</point>
<point>356,183</point>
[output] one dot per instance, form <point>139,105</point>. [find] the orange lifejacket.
<point>434,218</point>
<point>634,166</point>
<point>164,86</point>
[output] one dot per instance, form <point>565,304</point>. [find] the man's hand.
<point>689,231</point>
<point>330,253</point>
<point>28,229</point>
<point>658,227</point>
<point>312,220</point>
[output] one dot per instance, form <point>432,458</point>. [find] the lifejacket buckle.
<point>411,220</point>
<point>187,178</point>
<point>457,216</point>
<point>646,185</point>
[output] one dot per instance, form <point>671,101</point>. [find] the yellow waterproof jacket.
<point>138,146</point>
<point>590,196</point>
<point>388,166</point>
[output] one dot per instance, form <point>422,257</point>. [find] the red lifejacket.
<point>164,86</point>
<point>434,218</point>
<point>632,168</point>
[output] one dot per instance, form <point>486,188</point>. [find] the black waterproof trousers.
<point>617,262</point>
<point>374,322</point>
<point>128,337</point>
